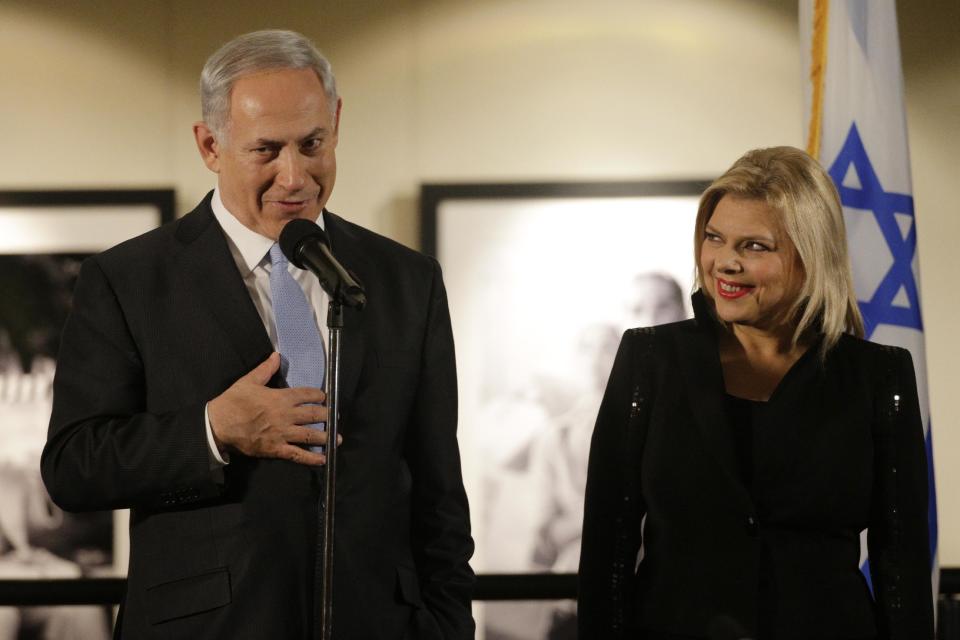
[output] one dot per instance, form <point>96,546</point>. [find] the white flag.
<point>855,125</point>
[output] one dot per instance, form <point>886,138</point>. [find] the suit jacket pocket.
<point>408,586</point>
<point>422,624</point>
<point>188,596</point>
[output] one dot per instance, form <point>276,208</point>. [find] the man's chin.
<point>308,210</point>
<point>276,223</point>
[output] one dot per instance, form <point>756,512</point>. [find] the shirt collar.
<point>250,245</point>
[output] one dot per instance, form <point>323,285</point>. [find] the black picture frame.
<point>162,199</point>
<point>446,210</point>
<point>432,195</point>
<point>44,236</point>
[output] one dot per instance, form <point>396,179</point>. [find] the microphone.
<point>305,244</point>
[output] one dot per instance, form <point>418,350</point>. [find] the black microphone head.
<point>294,234</point>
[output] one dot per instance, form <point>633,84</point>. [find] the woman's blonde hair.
<point>805,201</point>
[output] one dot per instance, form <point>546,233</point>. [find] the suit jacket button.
<point>753,527</point>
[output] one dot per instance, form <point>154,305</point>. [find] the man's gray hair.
<point>251,53</point>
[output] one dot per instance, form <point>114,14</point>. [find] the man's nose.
<point>291,170</point>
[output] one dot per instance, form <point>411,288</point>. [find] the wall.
<point>101,94</point>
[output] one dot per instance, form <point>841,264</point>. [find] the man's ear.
<point>336,120</point>
<point>208,146</point>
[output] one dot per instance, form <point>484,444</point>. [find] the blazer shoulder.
<point>137,253</point>
<point>662,332</point>
<point>657,341</point>
<point>164,238</point>
<point>149,255</point>
<point>386,251</point>
<point>863,351</point>
<point>887,369</point>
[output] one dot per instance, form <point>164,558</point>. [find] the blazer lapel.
<point>345,245</point>
<point>699,360</point>
<point>205,265</point>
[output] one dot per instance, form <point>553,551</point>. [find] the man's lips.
<point>732,290</point>
<point>291,203</point>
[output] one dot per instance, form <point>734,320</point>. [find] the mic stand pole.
<point>332,376</point>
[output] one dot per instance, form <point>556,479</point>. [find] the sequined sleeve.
<point>898,535</point>
<point>614,508</point>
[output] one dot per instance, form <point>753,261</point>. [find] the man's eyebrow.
<point>318,132</point>
<point>267,142</point>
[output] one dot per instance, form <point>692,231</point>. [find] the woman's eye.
<point>756,246</point>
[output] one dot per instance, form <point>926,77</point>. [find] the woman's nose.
<point>729,262</point>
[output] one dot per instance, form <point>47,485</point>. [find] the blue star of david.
<point>879,309</point>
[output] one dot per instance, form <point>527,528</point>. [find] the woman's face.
<point>750,268</point>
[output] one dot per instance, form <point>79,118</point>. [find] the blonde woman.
<point>738,456</point>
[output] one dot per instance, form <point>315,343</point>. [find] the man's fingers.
<point>305,395</point>
<point>262,373</point>
<point>301,456</point>
<point>306,436</point>
<point>309,414</point>
<point>309,436</point>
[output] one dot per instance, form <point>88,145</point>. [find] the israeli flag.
<point>855,125</point>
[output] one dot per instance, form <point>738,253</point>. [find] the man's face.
<point>654,302</point>
<point>277,159</point>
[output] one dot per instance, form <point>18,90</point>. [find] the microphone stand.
<point>332,375</point>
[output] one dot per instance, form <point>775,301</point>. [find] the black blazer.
<point>161,324</point>
<point>839,448</point>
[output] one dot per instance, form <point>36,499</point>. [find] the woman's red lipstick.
<point>732,290</point>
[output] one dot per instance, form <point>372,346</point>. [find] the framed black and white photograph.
<point>44,237</point>
<point>542,280</point>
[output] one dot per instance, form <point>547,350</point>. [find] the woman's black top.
<point>743,416</point>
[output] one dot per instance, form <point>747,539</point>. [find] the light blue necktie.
<point>302,358</point>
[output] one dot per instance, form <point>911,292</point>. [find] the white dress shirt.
<point>250,251</point>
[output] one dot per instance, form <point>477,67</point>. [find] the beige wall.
<point>102,93</point>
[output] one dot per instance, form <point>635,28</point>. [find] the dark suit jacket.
<point>834,453</point>
<point>162,324</point>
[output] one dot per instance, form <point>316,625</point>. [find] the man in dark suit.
<point>170,397</point>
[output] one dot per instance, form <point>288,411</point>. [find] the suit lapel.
<point>699,360</point>
<point>345,245</point>
<point>205,265</point>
